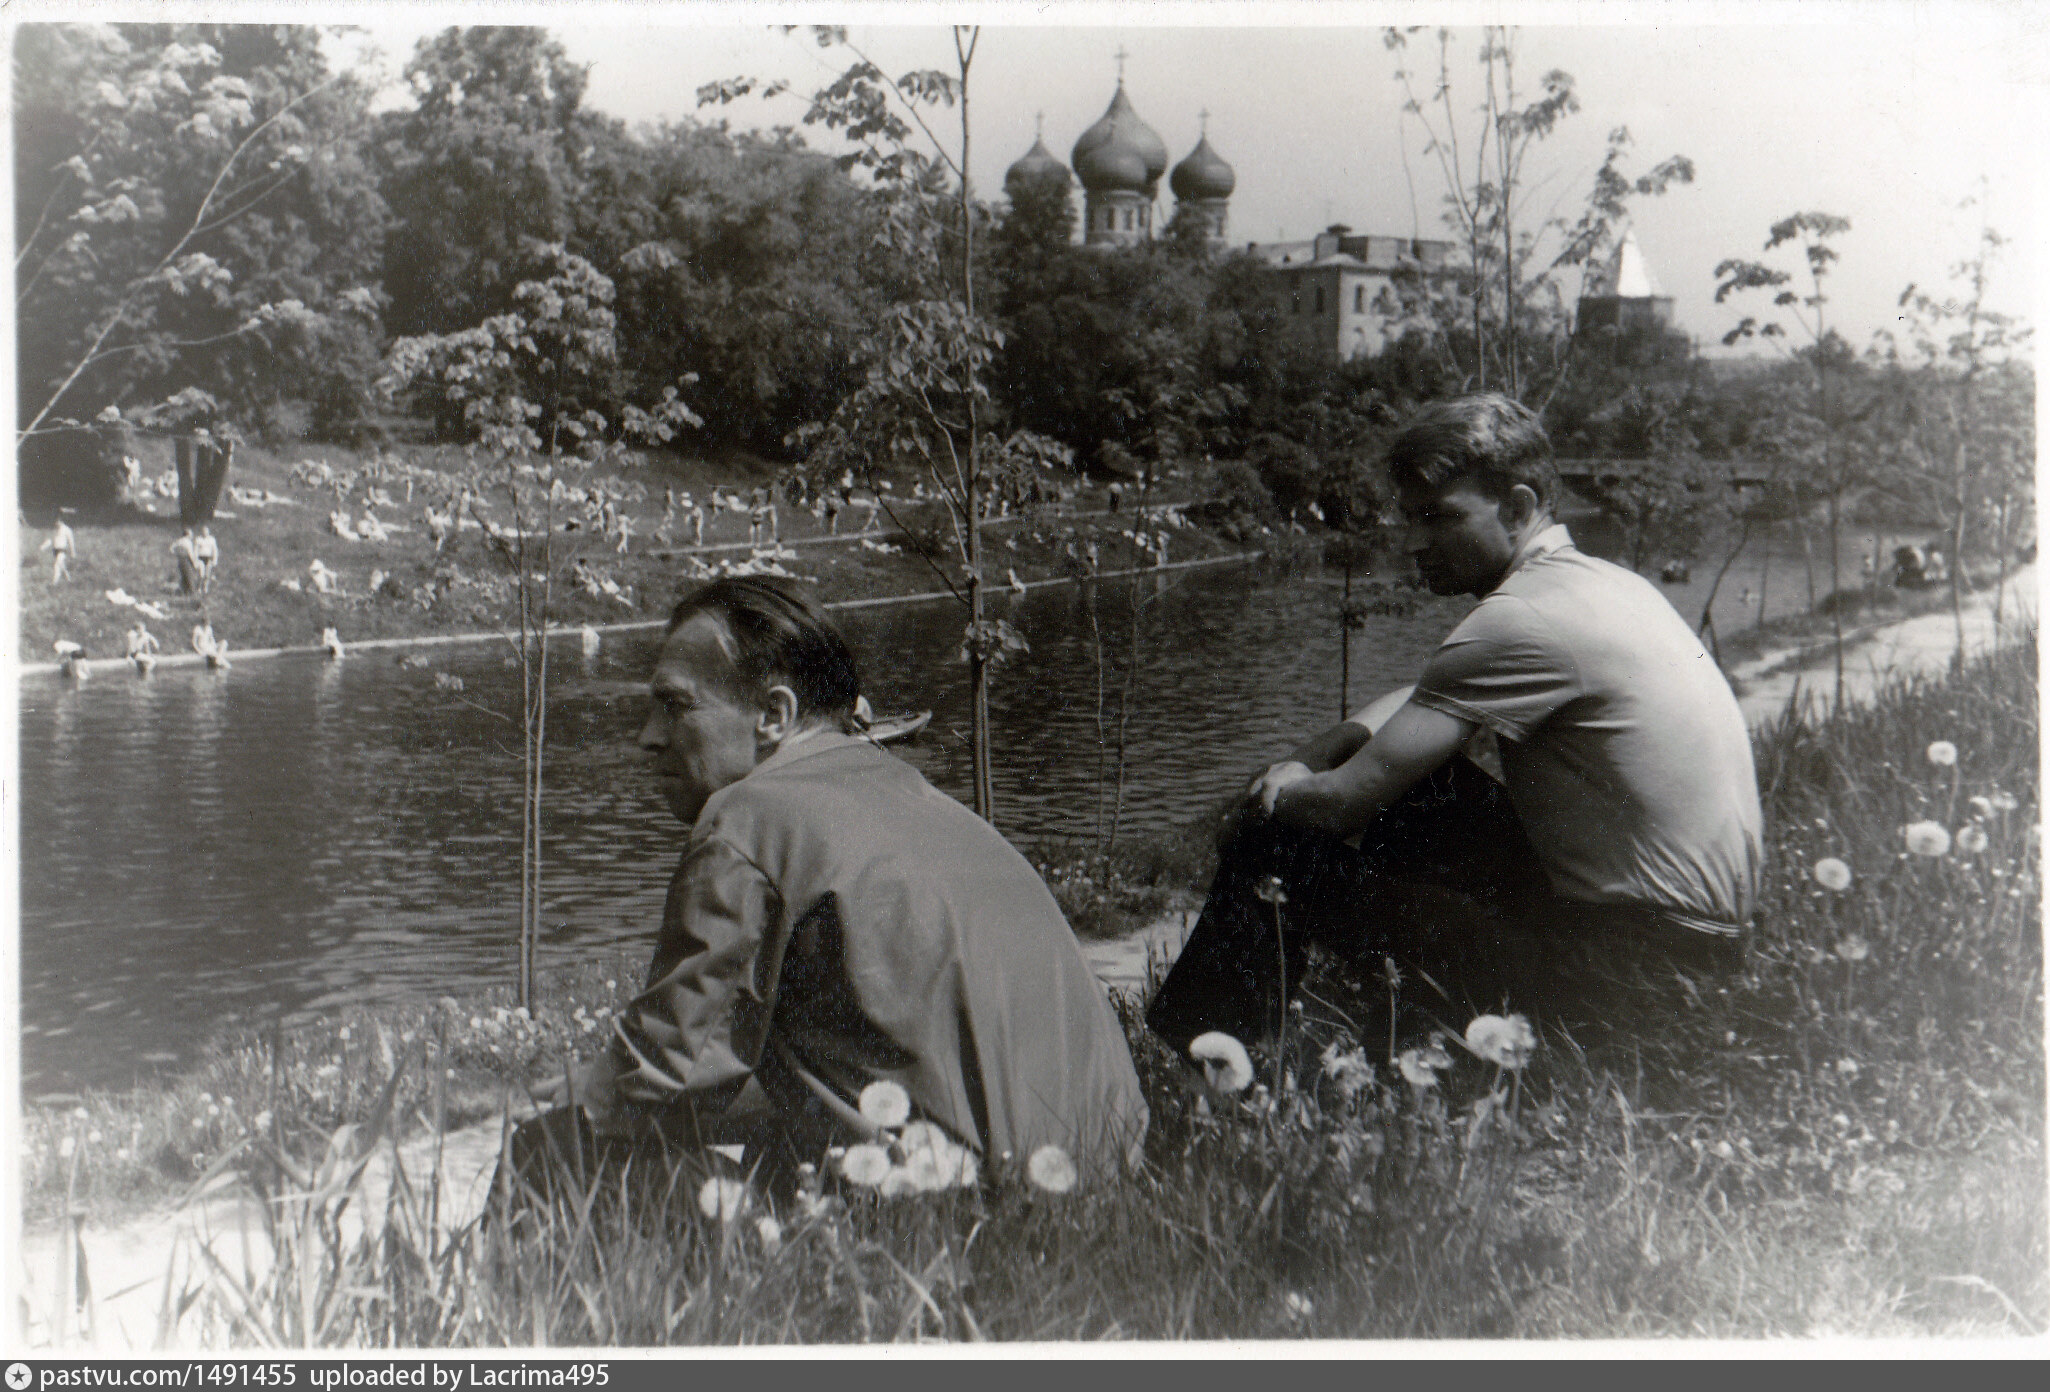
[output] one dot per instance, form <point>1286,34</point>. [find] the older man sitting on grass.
<point>1626,834</point>
<point>836,922</point>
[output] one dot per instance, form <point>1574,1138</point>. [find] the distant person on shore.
<point>1626,839</point>
<point>62,546</point>
<point>206,554</point>
<point>835,922</point>
<point>186,551</point>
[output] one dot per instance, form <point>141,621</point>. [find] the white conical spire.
<point>1629,275</point>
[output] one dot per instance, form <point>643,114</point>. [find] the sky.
<point>1887,112</point>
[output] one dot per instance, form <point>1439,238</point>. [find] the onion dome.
<point>1202,175</point>
<point>1120,153</point>
<point>1038,169</point>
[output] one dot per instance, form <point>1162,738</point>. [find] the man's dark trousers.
<point>1445,882</point>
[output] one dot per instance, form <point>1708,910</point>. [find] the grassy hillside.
<point>263,595</point>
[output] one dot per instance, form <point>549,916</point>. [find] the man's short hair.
<point>779,636</point>
<point>1486,439</point>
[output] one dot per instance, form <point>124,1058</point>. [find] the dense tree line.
<point>213,226</point>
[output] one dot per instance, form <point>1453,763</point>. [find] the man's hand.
<point>593,1085</point>
<point>1269,785</point>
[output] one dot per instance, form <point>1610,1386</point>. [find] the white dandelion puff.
<point>1927,839</point>
<point>1972,839</point>
<point>770,1232</point>
<point>1503,1040</point>
<point>885,1104</point>
<point>865,1164</point>
<point>1832,874</point>
<point>1050,1169</point>
<point>1942,753</point>
<point>1226,1066</point>
<point>1419,1067</point>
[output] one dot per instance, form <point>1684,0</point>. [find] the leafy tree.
<point>1820,424</point>
<point>193,214</point>
<point>1962,417</point>
<point>757,268</point>
<point>525,382</point>
<point>485,161</point>
<point>1503,322</point>
<point>924,399</point>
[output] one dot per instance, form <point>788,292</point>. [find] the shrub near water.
<point>1847,1138</point>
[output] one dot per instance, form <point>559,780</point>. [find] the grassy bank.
<point>1846,1139</point>
<point>263,594</point>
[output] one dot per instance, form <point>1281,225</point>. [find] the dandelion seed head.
<point>1415,1068</point>
<point>770,1232</point>
<point>1847,1067</point>
<point>1832,874</point>
<point>1972,839</point>
<point>1271,891</point>
<point>1982,806</point>
<point>2003,801</point>
<point>1927,839</point>
<point>1853,948</point>
<point>722,1198</point>
<point>1349,1070</point>
<point>885,1104</point>
<point>1052,1170</point>
<point>897,1183</point>
<point>865,1164</point>
<point>1942,753</point>
<point>1298,1306</point>
<point>1226,1066</point>
<point>1503,1040</point>
<point>1724,1150</point>
<point>935,1159</point>
<point>66,1146</point>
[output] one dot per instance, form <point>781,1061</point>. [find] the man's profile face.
<point>700,735</point>
<point>1458,536</point>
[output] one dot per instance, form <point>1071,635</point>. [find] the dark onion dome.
<point>1038,169</point>
<point>1120,153</point>
<point>1202,175</point>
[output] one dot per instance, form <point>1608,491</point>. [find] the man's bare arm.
<point>1345,799</point>
<point>1332,748</point>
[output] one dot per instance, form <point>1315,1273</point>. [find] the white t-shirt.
<point>1623,749</point>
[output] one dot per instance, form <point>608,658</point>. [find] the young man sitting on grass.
<point>1626,834</point>
<point>836,921</point>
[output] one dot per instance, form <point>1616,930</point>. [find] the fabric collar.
<point>818,740</point>
<point>1542,542</point>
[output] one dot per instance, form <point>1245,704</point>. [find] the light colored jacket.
<point>837,920</point>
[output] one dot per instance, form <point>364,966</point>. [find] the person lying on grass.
<point>835,922</point>
<point>1626,834</point>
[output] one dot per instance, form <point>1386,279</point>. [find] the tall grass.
<point>1846,1138</point>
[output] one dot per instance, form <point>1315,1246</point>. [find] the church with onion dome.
<point>1335,282</point>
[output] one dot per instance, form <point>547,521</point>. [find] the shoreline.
<point>95,666</point>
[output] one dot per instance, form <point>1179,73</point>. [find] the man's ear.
<point>1524,506</point>
<point>777,720</point>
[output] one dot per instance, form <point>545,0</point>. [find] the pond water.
<point>295,835</point>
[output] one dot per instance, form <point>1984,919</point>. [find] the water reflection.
<point>297,834</point>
